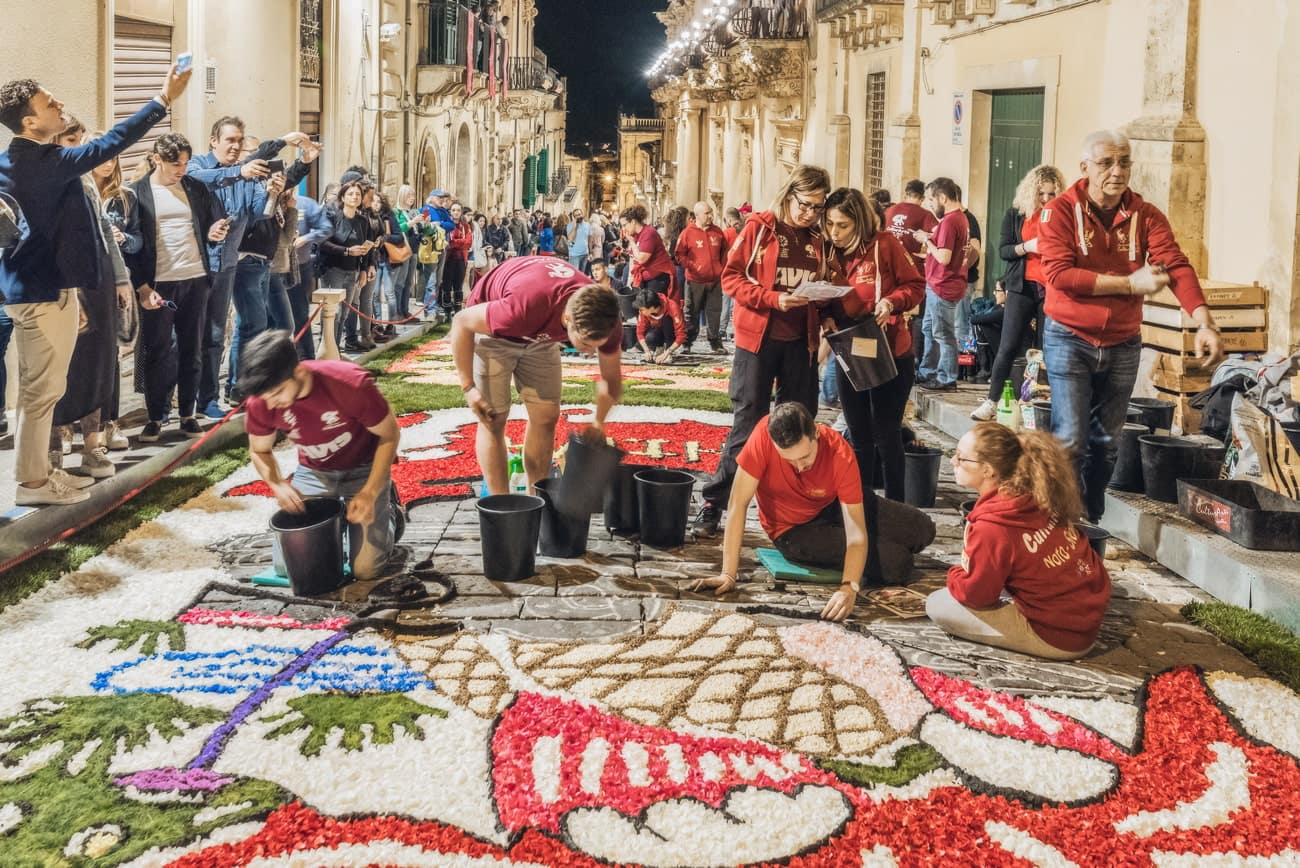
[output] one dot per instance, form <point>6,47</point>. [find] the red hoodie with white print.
<point>755,277</point>
<point>1050,570</point>
<point>1076,246</point>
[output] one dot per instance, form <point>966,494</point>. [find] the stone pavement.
<point>620,586</point>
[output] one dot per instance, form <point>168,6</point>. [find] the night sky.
<point>603,47</point>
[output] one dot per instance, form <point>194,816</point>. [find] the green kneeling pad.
<point>780,568</point>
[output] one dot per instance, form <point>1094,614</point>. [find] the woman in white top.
<point>177,219</point>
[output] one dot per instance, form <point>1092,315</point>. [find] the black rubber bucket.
<point>1097,537</point>
<point>627,305</point>
<point>965,507</point>
<point>1134,416</point>
<point>921,475</point>
<point>663,501</point>
<point>1165,460</point>
<point>311,546</point>
<point>621,514</point>
<point>509,525</point>
<point>561,535</point>
<point>1154,413</point>
<point>1043,416</point>
<point>629,336</point>
<point>1018,375</point>
<point>1127,475</point>
<point>588,469</point>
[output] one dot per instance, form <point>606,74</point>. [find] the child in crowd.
<point>1022,542</point>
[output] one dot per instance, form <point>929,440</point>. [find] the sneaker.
<point>56,459</point>
<point>95,464</point>
<point>190,427</point>
<point>114,438</point>
<point>65,438</point>
<point>150,433</point>
<point>214,411</point>
<point>707,521</point>
<point>235,395</point>
<point>936,386</point>
<point>985,412</point>
<point>353,347</point>
<point>67,480</point>
<point>717,349</point>
<point>52,493</point>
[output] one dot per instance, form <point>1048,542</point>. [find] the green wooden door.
<point>1015,147</point>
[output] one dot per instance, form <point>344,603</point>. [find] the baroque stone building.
<point>881,91</point>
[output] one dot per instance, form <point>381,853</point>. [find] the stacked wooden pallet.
<point>1241,313</point>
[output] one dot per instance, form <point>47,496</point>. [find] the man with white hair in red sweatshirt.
<point>1104,249</point>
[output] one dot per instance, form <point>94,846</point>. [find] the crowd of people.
<point>162,260</point>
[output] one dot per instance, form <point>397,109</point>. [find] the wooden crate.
<point>1183,341</point>
<point>1224,317</point>
<point>1219,294</point>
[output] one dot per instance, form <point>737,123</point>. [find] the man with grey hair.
<point>702,251</point>
<point>1104,250</point>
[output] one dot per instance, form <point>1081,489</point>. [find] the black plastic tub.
<point>621,514</point>
<point>921,475</point>
<point>664,503</point>
<point>1127,475</point>
<point>965,507</point>
<point>561,535</point>
<point>1165,460</point>
<point>1097,537</point>
<point>588,469</point>
<point>509,525</point>
<point>1043,416</point>
<point>311,545</point>
<point>1156,414</point>
<point>1250,515</point>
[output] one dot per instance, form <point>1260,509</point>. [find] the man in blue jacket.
<point>41,272</point>
<point>240,188</point>
<point>439,213</point>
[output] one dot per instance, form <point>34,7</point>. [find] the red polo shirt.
<point>786,498</point>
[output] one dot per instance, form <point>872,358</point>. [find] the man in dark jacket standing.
<point>40,275</point>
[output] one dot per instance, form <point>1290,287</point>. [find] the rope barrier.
<point>383,322</point>
<point>133,493</point>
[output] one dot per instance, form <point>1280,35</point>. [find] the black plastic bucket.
<point>588,468</point>
<point>663,501</point>
<point>509,525</point>
<point>1127,475</point>
<point>921,475</point>
<point>1134,416</point>
<point>1097,537</point>
<point>1165,460</point>
<point>627,305</point>
<point>965,507</point>
<point>1043,416</point>
<point>1154,413</point>
<point>1018,375</point>
<point>629,336</point>
<point>621,514</point>
<point>311,546</point>
<point>562,535</point>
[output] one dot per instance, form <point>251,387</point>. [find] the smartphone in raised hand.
<point>184,61</point>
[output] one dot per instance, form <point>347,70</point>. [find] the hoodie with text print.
<point>749,277</point>
<point>1050,571</point>
<point>1076,246</point>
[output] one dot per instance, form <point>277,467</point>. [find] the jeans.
<point>6,330</point>
<point>830,389</point>
<point>939,330</point>
<point>875,420</point>
<point>402,276</point>
<point>964,331</point>
<point>728,304</point>
<point>360,298</point>
<point>1021,310</point>
<point>1091,387</point>
<point>662,335</point>
<point>298,295</point>
<point>214,336</point>
<point>579,262</point>
<point>705,298</point>
<point>172,345</point>
<point>786,364</point>
<point>385,291</point>
<point>370,545</point>
<point>260,304</point>
<point>345,279</point>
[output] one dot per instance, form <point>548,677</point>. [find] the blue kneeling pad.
<point>780,568</point>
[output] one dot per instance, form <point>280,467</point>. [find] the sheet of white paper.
<point>821,291</point>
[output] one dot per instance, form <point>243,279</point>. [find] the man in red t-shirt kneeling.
<point>346,436</point>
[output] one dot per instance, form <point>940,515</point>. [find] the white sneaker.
<point>114,439</point>
<point>985,412</point>
<point>96,463</point>
<point>65,438</point>
<point>67,480</point>
<point>52,493</point>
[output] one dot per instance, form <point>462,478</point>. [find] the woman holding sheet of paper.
<point>776,329</point>
<point>885,283</point>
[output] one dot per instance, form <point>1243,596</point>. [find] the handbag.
<point>397,253</point>
<point>863,350</point>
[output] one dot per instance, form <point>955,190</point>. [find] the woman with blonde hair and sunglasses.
<point>776,330</point>
<point>1023,278</point>
<point>1022,542</point>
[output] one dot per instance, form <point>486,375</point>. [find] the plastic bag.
<point>1260,451</point>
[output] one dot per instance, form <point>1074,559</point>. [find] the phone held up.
<point>184,61</point>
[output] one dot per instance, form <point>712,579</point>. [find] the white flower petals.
<point>1229,791</point>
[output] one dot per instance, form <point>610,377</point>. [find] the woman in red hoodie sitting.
<point>1022,541</point>
<point>885,284</point>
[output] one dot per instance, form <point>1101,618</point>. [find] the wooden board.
<point>1219,294</point>
<point>1184,341</point>
<point>1224,317</point>
<point>1181,364</point>
<point>1183,384</point>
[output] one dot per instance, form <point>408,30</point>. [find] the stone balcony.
<point>863,23</point>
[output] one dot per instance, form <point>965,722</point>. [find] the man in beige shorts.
<point>510,332</point>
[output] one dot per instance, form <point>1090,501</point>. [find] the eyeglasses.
<point>1109,163</point>
<point>961,459</point>
<point>814,207</point>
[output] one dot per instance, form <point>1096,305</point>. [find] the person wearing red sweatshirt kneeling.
<point>660,326</point>
<point>1022,543</point>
